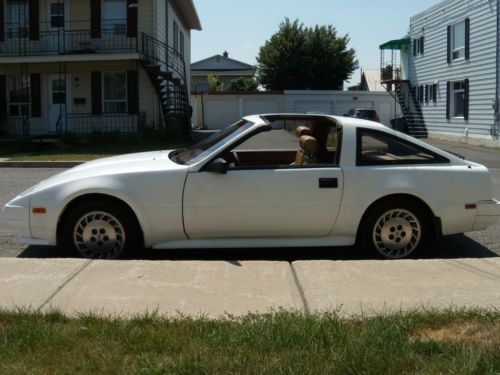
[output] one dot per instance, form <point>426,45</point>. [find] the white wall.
<point>221,110</point>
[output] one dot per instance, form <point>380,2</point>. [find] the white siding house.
<point>453,67</point>
<point>82,66</point>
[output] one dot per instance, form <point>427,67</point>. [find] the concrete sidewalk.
<point>216,288</point>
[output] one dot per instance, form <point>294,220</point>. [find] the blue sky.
<point>242,26</point>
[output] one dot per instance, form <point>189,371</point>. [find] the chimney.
<point>225,54</point>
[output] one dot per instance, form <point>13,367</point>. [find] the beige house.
<point>83,66</point>
<point>222,66</point>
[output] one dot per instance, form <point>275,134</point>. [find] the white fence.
<point>217,111</point>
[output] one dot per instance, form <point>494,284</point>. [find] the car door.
<point>263,202</point>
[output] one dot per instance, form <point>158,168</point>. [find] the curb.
<point>39,164</point>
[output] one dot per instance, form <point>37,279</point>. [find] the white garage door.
<point>220,113</point>
<point>259,106</point>
<point>314,107</point>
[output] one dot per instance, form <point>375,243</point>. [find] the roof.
<point>189,13</point>
<point>396,44</point>
<point>220,63</point>
<point>372,79</point>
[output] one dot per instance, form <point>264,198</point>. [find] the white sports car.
<point>266,181</point>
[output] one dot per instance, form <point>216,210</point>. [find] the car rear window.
<point>378,148</point>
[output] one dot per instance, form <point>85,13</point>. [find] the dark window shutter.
<point>466,100</point>
<point>467,38</point>
<point>434,92</point>
<point>448,54</point>
<point>96,89</point>
<point>414,47</point>
<point>3,96</point>
<point>427,93</point>
<point>95,18</point>
<point>133,91</point>
<point>36,95</point>
<point>132,18</point>
<point>448,99</point>
<point>34,19</point>
<point>2,22</point>
<point>422,45</point>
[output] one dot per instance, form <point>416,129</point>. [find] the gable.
<point>220,63</point>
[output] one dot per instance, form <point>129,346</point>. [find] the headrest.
<point>309,144</point>
<point>302,130</point>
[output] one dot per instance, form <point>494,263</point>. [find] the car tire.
<point>396,229</point>
<point>101,229</point>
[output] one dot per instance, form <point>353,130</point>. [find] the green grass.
<point>93,147</point>
<point>466,342</point>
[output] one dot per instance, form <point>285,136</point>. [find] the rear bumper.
<point>487,213</point>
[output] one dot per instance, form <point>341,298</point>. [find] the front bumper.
<point>15,215</point>
<point>487,214</point>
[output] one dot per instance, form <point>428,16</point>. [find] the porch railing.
<point>82,123</point>
<point>14,127</point>
<point>62,41</point>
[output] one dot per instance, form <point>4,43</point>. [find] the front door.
<point>55,40</point>
<point>56,100</point>
<point>250,203</point>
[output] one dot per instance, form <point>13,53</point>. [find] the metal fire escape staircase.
<point>403,92</point>
<point>166,70</point>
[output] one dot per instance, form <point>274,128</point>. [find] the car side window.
<point>378,148</point>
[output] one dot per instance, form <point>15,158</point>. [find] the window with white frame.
<point>18,95</point>
<point>17,24</point>
<point>114,17</point>
<point>458,41</point>
<point>458,99</point>
<point>115,92</point>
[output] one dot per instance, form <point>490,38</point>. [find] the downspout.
<point>494,129</point>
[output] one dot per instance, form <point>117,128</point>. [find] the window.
<point>420,94</point>
<point>17,19</point>
<point>434,89</point>
<point>427,93</point>
<point>56,15</point>
<point>115,92</point>
<point>378,148</point>
<point>458,99</point>
<point>18,93</point>
<point>114,17</point>
<point>458,41</point>
<point>418,46</point>
<point>58,91</point>
<point>176,37</point>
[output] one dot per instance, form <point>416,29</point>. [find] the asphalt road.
<point>472,245</point>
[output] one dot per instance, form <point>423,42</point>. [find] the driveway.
<point>472,245</point>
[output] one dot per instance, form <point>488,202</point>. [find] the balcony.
<point>66,41</point>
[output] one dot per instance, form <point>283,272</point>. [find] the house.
<point>370,81</point>
<point>222,66</point>
<point>82,66</point>
<point>446,72</point>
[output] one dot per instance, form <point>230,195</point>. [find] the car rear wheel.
<point>396,229</point>
<point>101,230</point>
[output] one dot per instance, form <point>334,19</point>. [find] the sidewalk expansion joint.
<point>71,277</point>
<point>300,289</point>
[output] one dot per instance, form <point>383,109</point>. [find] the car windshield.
<point>195,153</point>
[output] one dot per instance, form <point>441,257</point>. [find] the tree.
<point>242,84</point>
<point>214,84</point>
<point>302,58</point>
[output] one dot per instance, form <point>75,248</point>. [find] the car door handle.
<point>328,183</point>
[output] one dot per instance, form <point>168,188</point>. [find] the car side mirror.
<point>217,166</point>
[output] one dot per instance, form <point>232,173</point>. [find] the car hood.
<point>117,165</point>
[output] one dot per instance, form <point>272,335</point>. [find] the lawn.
<point>96,147</point>
<point>465,342</point>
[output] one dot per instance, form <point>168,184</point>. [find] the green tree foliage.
<point>214,84</point>
<point>242,84</point>
<point>302,58</point>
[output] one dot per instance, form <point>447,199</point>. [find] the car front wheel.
<point>396,229</point>
<point>100,230</point>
